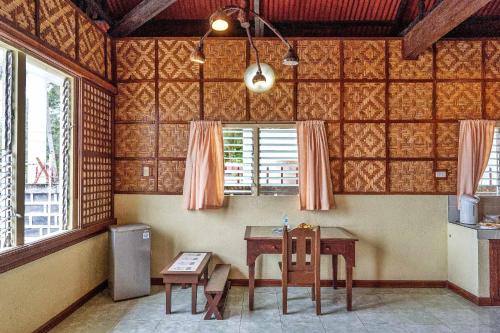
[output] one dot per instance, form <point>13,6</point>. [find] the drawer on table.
<point>266,246</point>
<point>333,248</point>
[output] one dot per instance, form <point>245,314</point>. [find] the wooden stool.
<point>216,291</point>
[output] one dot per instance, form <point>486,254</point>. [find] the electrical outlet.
<point>441,174</point>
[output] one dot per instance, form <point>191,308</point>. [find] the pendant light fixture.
<point>259,77</point>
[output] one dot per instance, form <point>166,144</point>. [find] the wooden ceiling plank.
<point>142,13</point>
<point>445,17</point>
<point>403,5</point>
<point>259,26</point>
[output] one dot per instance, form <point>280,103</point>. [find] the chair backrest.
<point>301,242</point>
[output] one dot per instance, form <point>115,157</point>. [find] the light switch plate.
<point>146,172</point>
<point>441,174</point>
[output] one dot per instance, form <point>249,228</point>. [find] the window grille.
<point>490,181</point>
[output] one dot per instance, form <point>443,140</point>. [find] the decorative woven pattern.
<point>447,140</point>
<point>58,25</point>
<point>408,69</point>
<point>318,101</point>
<point>492,100</point>
<point>492,59</point>
<point>333,133</point>
<point>135,59</point>
<point>135,140</point>
<point>364,101</point>
<point>319,59</point>
<point>410,140</point>
<point>410,101</point>
<point>364,140</point>
<point>225,59</point>
<point>179,101</point>
<point>448,185</point>
<point>458,100</point>
<point>19,12</point>
<point>97,118</point>
<point>458,60</point>
<point>135,101</point>
<point>364,59</point>
<point>335,167</point>
<point>109,48</point>
<point>272,52</point>
<point>128,176</point>
<point>276,104</point>
<point>364,176</point>
<point>225,101</point>
<point>173,140</point>
<point>97,190</point>
<point>171,176</point>
<point>411,176</point>
<point>91,46</point>
<point>174,63</point>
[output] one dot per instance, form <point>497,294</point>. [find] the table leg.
<point>251,285</point>
<point>334,270</point>
<point>205,276</point>
<point>168,298</point>
<point>348,284</point>
<point>194,294</point>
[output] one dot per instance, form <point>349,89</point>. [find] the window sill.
<point>24,254</point>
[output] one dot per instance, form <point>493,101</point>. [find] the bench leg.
<point>168,298</point>
<point>194,294</point>
<point>213,306</point>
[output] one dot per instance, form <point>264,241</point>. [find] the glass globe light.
<point>219,21</point>
<point>259,82</point>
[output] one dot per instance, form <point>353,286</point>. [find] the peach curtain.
<point>474,147</point>
<point>204,176</point>
<point>315,186</point>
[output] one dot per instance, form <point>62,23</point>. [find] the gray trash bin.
<point>129,260</point>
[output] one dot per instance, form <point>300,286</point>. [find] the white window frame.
<point>497,171</point>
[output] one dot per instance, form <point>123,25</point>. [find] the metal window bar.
<point>489,183</point>
<point>238,161</point>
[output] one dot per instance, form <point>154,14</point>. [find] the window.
<point>260,160</point>
<point>490,181</point>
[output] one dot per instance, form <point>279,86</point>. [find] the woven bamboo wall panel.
<point>458,60</point>
<point>492,59</point>
<point>411,176</point>
<point>225,101</point>
<point>364,101</point>
<point>447,140</point>
<point>318,100</point>
<point>135,140</point>
<point>364,176</point>
<point>109,48</point>
<point>20,13</point>
<point>364,140</point>
<point>272,52</point>
<point>58,25</point>
<point>91,43</point>
<point>492,100</point>
<point>174,63</point>
<point>408,69</point>
<point>335,172</point>
<point>135,101</point>
<point>173,141</point>
<point>319,59</point>
<point>171,176</point>
<point>226,59</point>
<point>334,144</point>
<point>129,176</point>
<point>364,59</point>
<point>458,100</point>
<point>276,104</point>
<point>97,120</point>
<point>410,140</point>
<point>410,101</point>
<point>135,59</point>
<point>97,190</point>
<point>179,101</point>
<point>448,185</point>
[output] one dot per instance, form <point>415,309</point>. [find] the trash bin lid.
<point>470,198</point>
<point>129,227</point>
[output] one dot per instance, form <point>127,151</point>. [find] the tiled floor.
<point>375,310</point>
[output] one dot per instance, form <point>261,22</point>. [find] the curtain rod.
<point>260,122</point>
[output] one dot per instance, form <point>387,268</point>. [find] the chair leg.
<point>317,291</point>
<point>284,298</point>
<point>313,292</point>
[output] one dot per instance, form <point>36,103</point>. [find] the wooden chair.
<point>301,272</point>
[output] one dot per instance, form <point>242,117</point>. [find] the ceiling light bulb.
<point>291,58</point>
<point>197,55</point>
<point>219,21</point>
<point>259,81</point>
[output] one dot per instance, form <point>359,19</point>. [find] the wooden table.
<point>334,241</point>
<point>192,278</point>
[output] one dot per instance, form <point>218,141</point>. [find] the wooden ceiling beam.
<point>441,20</point>
<point>142,13</point>
<point>98,10</point>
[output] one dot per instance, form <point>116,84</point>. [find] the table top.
<point>266,233</point>
<point>198,271</point>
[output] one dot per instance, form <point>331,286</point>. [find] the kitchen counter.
<point>481,233</point>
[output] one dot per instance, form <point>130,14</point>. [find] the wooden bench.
<point>216,291</point>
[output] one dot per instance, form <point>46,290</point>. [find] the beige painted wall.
<point>32,294</point>
<point>402,237</point>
